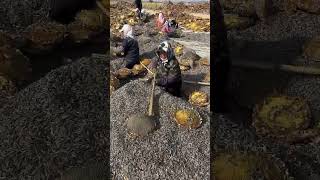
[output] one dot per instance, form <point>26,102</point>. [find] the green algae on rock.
<point>280,116</point>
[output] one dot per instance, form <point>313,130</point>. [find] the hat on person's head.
<point>165,52</point>
<point>127,30</point>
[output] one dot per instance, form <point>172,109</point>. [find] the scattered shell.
<point>188,118</point>
<point>199,98</point>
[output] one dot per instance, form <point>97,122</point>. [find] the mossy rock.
<point>311,6</point>
<point>188,118</point>
<point>124,73</point>
<point>236,22</point>
<point>7,87</point>
<point>188,58</point>
<point>248,166</point>
<point>204,62</point>
<point>42,38</point>
<point>114,83</point>
<point>244,8</point>
<point>311,49</point>
<point>280,116</point>
<point>93,20</point>
<point>14,65</point>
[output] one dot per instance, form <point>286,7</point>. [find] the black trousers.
<point>138,4</point>
<point>175,89</point>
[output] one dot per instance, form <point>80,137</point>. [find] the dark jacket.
<point>168,75</point>
<point>131,51</point>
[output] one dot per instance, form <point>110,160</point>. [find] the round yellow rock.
<point>188,118</point>
<point>178,50</point>
<point>199,98</point>
<point>123,73</point>
<point>137,69</point>
<point>146,62</point>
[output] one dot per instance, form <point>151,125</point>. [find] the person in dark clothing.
<point>168,73</point>
<point>64,11</point>
<point>138,4</point>
<point>129,48</point>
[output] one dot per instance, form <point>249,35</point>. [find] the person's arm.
<point>125,46</point>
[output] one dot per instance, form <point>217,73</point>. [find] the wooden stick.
<point>196,82</point>
<point>283,67</point>
<point>150,112</point>
<point>190,82</point>
<point>147,68</point>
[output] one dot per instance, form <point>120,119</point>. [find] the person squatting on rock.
<point>129,48</point>
<point>138,4</point>
<point>166,66</point>
<point>168,27</point>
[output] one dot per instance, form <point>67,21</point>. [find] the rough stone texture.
<point>16,15</point>
<point>56,123</point>
<point>297,26</point>
<point>301,160</point>
<point>308,88</point>
<point>170,152</point>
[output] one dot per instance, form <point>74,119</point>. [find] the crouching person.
<point>166,66</point>
<point>129,48</point>
<point>170,28</point>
